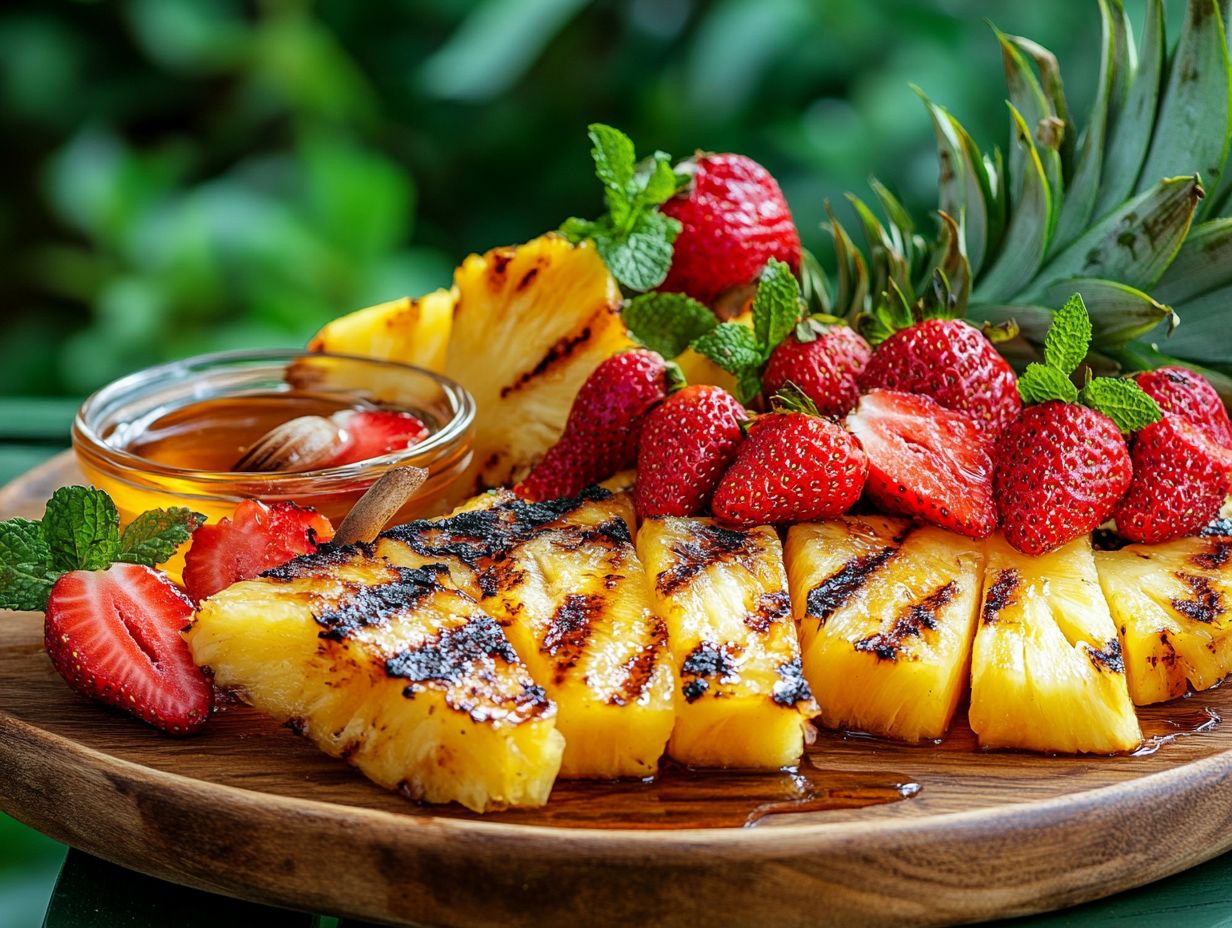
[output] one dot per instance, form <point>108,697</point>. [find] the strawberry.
<point>1182,392</point>
<point>114,635</point>
<point>733,219</point>
<point>926,461</point>
<point>1062,468</point>
<point>258,537</point>
<point>1180,480</point>
<point>605,420</point>
<point>371,433</point>
<point>687,443</point>
<point>824,361</point>
<point>793,466</point>
<point>951,361</point>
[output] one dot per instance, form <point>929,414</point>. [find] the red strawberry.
<point>1182,392</point>
<point>1061,470</point>
<point>825,366</point>
<point>686,445</point>
<point>734,220</point>
<point>114,635</point>
<point>604,423</point>
<point>951,361</point>
<point>372,433</point>
<point>258,537</point>
<point>926,461</point>
<point>794,466</point>
<point>1181,479</point>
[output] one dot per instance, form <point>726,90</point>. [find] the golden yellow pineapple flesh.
<point>741,699</point>
<point>1172,604</point>
<point>531,324</point>
<point>1047,671</point>
<point>886,611</point>
<point>391,669</point>
<point>410,331</point>
<point>563,579</point>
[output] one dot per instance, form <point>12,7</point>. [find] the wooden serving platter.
<point>868,833</point>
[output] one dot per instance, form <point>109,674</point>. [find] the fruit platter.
<point>648,572</point>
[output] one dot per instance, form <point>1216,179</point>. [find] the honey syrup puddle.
<point>1160,732</point>
<point>683,798</point>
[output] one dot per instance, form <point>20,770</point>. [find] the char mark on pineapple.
<point>479,537</point>
<point>1108,658</point>
<point>912,622</point>
<point>364,606</point>
<point>708,662</point>
<point>1217,554</point>
<point>835,591</point>
<point>709,545</point>
<point>772,608</point>
<point>1001,594</point>
<point>791,689</point>
<point>1207,602</point>
<point>569,631</point>
<point>322,563</point>
<point>561,350</point>
<point>639,669</point>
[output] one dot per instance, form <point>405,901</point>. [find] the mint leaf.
<point>1040,383</point>
<point>1122,401</point>
<point>153,537</point>
<point>640,259</point>
<point>614,158</point>
<point>26,575</point>
<point>661,182</point>
<point>82,529</point>
<point>578,230</point>
<point>731,346</point>
<point>776,306</point>
<point>1068,336</point>
<point>667,322</point>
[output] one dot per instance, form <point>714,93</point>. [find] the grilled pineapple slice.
<point>1047,672</point>
<point>742,700</point>
<point>530,325</point>
<point>563,579</point>
<point>406,330</point>
<point>886,611</point>
<point>1172,603</point>
<point>408,679</point>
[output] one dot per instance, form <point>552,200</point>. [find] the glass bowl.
<point>112,418</point>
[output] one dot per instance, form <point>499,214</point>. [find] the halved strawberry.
<point>114,635</point>
<point>258,537</point>
<point>926,461</point>
<point>371,433</point>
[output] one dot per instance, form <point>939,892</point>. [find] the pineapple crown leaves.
<point>1109,206</point>
<point>80,530</point>
<point>633,238</point>
<point>1065,348</point>
<point>671,322</point>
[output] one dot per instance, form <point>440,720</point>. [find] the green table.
<point>90,893</point>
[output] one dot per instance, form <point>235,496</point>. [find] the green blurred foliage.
<point>184,176</point>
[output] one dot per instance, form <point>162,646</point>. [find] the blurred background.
<point>190,175</point>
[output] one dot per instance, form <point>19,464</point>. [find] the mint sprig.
<point>667,322</point>
<point>80,530</point>
<point>633,238</point>
<point>1065,348</point>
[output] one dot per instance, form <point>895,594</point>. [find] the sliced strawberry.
<point>258,537</point>
<point>114,635</point>
<point>372,433</point>
<point>926,461</point>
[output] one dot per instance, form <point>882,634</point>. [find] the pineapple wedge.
<point>563,579</point>
<point>886,611</point>
<point>406,330</point>
<point>1173,605</point>
<point>391,669</point>
<point>1047,672</point>
<point>530,325</point>
<point>742,699</point>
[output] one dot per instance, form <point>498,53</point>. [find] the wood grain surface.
<point>248,809</point>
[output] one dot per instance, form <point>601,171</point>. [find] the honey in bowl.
<point>172,435</point>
